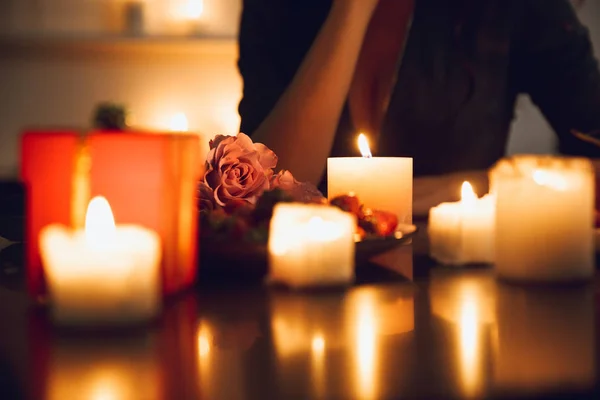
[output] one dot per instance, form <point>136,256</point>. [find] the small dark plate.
<point>244,262</point>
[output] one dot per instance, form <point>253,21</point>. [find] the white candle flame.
<point>467,194</point>
<point>179,123</point>
<point>100,227</point>
<point>363,146</point>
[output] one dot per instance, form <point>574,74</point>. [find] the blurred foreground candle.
<point>382,183</point>
<point>545,218</point>
<point>463,232</point>
<point>150,178</point>
<point>311,245</point>
<point>105,274</point>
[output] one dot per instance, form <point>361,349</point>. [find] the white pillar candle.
<point>105,274</point>
<point>311,245</point>
<point>381,183</point>
<point>463,232</point>
<point>545,218</point>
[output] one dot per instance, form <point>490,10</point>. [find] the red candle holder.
<point>149,180</point>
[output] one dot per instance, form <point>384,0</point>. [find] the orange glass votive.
<point>149,180</point>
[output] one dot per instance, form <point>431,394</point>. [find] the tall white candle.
<point>105,274</point>
<point>311,245</point>
<point>463,232</point>
<point>545,218</point>
<point>382,183</point>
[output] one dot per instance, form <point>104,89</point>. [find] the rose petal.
<point>267,158</point>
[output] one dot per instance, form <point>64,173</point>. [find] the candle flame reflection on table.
<point>318,364</point>
<point>468,302</point>
<point>366,345</point>
<point>469,327</point>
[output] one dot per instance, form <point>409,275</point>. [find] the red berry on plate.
<point>348,203</point>
<point>385,222</point>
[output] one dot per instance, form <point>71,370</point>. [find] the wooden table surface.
<point>428,332</point>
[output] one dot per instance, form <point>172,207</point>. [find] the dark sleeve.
<point>553,62</point>
<point>274,37</point>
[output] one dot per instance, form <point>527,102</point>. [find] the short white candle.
<point>545,218</point>
<point>311,245</point>
<point>463,232</point>
<point>382,183</point>
<point>105,274</point>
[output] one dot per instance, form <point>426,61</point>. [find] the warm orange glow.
<point>363,146</point>
<point>190,10</point>
<point>318,344</point>
<point>203,346</point>
<point>179,123</point>
<point>468,196</point>
<point>100,227</point>
<point>194,9</point>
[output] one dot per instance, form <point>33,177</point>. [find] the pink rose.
<point>237,169</point>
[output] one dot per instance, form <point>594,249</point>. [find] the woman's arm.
<point>301,126</point>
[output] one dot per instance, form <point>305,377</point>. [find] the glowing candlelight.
<point>105,273</point>
<point>179,123</point>
<point>463,232</point>
<point>383,183</point>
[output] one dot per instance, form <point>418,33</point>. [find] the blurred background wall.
<point>59,58</point>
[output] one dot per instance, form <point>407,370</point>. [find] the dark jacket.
<point>464,63</point>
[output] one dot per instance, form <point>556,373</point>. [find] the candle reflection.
<point>318,364</point>
<point>203,343</point>
<point>466,300</point>
<point>469,345</point>
<point>102,371</point>
<point>366,345</point>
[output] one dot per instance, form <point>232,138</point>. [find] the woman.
<point>432,79</point>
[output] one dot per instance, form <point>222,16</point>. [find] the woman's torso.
<point>451,103</point>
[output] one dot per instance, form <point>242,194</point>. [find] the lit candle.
<point>186,16</point>
<point>179,123</point>
<point>311,245</point>
<point>382,183</point>
<point>103,274</point>
<point>545,218</point>
<point>463,232</point>
<point>151,180</point>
